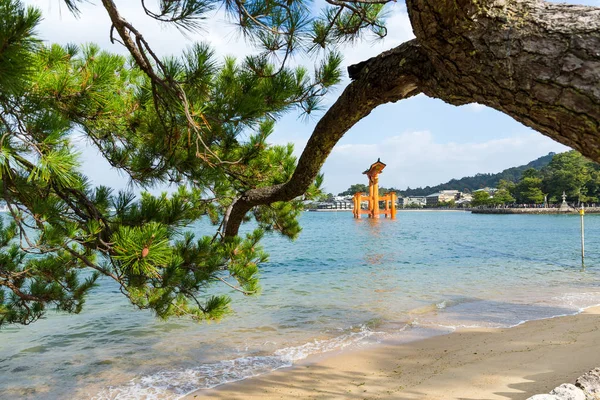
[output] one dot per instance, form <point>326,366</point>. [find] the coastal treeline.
<point>569,173</point>
<point>542,180</point>
<point>481,180</point>
<point>466,184</point>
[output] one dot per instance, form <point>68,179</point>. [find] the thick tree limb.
<point>391,76</point>
<point>538,62</point>
<point>535,61</point>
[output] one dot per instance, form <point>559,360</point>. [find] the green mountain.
<point>471,183</point>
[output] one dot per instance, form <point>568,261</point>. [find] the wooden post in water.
<point>386,209</point>
<point>370,198</point>
<point>375,206</point>
<point>357,201</point>
<point>582,213</point>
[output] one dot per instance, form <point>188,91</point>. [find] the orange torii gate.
<point>373,197</point>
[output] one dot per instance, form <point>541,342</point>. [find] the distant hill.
<point>471,183</point>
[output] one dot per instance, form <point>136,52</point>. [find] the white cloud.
<point>475,107</point>
<point>415,159</point>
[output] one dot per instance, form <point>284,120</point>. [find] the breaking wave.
<point>176,383</point>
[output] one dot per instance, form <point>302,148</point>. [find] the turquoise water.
<point>344,283</point>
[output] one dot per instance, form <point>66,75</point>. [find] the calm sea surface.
<point>344,283</point>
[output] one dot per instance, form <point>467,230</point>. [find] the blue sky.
<point>423,141</point>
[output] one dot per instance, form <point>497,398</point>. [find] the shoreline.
<point>494,211</point>
<point>398,210</point>
<point>492,363</point>
<point>533,211</point>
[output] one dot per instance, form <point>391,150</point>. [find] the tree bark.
<point>535,61</point>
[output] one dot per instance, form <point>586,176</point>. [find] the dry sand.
<point>510,363</point>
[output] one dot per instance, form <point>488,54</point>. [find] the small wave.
<point>441,305</point>
<point>508,315</point>
<point>581,301</point>
<point>175,384</point>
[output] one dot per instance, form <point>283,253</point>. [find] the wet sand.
<point>486,364</point>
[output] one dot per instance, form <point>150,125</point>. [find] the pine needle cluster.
<point>191,121</point>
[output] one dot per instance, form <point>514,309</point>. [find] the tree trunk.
<point>535,61</point>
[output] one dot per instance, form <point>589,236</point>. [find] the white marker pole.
<point>582,213</point>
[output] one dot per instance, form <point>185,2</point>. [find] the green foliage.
<point>480,198</point>
<point>280,216</point>
<point>570,172</point>
<point>531,173</point>
<point>549,176</point>
<point>567,172</point>
<point>356,188</point>
<point>326,197</point>
<point>210,139</point>
<point>447,204</point>
<point>529,190</point>
<point>28,286</point>
<point>17,43</point>
<point>506,185</point>
<point>479,181</point>
<point>502,196</point>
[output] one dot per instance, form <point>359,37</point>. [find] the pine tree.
<point>198,124</point>
<point>203,124</point>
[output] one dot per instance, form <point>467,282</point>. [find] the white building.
<point>442,196</point>
<point>412,201</point>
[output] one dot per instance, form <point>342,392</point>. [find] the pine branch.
<point>365,93</point>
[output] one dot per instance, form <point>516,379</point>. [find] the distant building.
<point>412,201</point>
<point>335,205</point>
<point>488,190</point>
<point>464,201</point>
<point>343,198</point>
<point>441,197</point>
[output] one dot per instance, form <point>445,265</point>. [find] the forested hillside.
<point>471,183</point>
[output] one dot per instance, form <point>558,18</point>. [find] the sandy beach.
<point>489,364</point>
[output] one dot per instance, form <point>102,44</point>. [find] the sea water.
<point>344,283</point>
